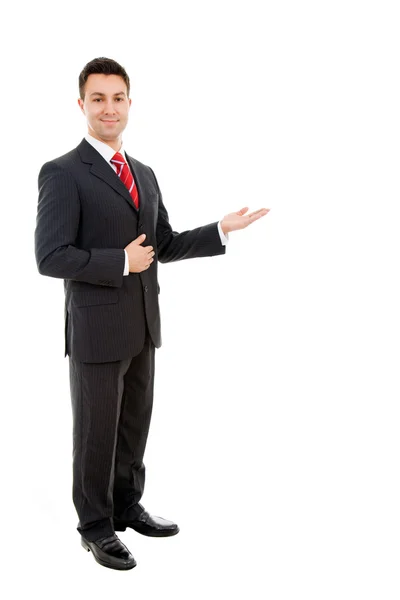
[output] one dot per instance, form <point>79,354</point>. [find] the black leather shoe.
<point>110,552</point>
<point>148,525</point>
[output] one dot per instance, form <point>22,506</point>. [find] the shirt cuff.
<point>224,238</point>
<point>126,267</point>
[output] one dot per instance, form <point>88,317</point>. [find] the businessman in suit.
<point>102,227</point>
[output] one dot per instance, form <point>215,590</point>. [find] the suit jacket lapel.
<point>100,169</point>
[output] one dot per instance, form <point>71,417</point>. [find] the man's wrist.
<point>224,236</point>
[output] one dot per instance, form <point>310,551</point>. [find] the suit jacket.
<point>85,218</point>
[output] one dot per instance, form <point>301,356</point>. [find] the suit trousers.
<point>111,409</point>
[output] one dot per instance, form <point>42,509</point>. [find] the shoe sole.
<point>155,534</point>
<point>103,563</point>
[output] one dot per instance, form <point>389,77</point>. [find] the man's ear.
<point>80,102</point>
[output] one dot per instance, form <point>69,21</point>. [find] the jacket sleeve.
<point>194,243</point>
<point>57,224</point>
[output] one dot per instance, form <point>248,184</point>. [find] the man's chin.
<point>107,136</point>
<point>110,132</point>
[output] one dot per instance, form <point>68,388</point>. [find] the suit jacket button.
<point>146,287</point>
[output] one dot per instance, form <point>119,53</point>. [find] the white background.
<point>275,434</point>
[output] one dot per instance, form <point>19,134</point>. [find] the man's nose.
<point>109,107</point>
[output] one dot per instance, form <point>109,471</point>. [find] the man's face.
<point>106,106</point>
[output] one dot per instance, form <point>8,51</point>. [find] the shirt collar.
<point>104,149</point>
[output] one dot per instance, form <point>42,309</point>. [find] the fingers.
<point>150,256</point>
<point>260,212</point>
<point>242,210</point>
<point>254,216</point>
<point>149,253</point>
<point>257,215</point>
<point>140,239</point>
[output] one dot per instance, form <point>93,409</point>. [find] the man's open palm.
<point>239,220</point>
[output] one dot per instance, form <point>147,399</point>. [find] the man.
<point>102,227</point>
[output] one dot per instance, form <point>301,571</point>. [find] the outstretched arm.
<point>193,243</point>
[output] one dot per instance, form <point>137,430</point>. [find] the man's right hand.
<point>140,258</point>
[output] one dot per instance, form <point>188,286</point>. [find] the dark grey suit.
<point>85,219</point>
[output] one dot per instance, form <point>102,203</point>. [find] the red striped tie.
<point>126,176</point>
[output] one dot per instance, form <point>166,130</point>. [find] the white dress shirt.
<point>107,153</point>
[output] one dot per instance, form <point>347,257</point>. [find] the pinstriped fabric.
<point>98,319</point>
<point>111,407</point>
<point>57,233</point>
<point>85,219</point>
<point>137,403</point>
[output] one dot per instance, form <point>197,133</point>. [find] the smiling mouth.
<point>108,121</point>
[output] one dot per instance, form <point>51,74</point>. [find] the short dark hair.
<point>107,66</point>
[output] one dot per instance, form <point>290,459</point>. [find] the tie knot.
<point>118,159</point>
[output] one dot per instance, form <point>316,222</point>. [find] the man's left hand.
<point>239,220</point>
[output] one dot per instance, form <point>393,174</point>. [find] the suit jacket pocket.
<point>95,297</point>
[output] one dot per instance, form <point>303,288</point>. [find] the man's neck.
<point>114,144</point>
